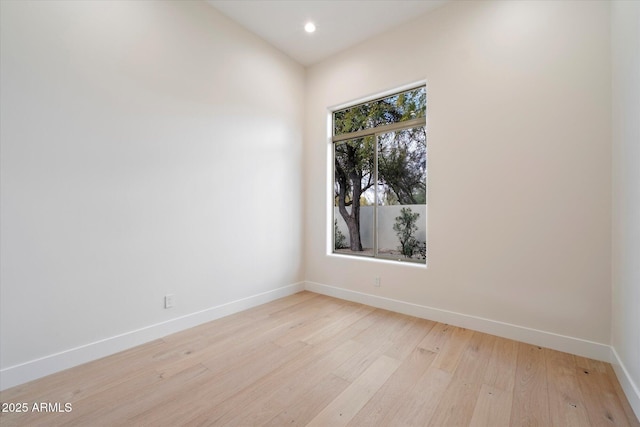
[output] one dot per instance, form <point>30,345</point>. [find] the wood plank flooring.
<point>309,359</point>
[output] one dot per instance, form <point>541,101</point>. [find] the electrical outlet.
<point>376,281</point>
<point>169,301</point>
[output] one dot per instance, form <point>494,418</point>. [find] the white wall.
<point>125,127</point>
<point>519,137</point>
<point>625,20</point>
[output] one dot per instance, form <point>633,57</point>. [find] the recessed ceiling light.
<point>309,27</point>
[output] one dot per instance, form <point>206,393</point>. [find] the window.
<point>380,178</point>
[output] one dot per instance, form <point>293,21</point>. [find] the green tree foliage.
<point>393,109</point>
<point>402,166</point>
<point>405,228</point>
<point>339,238</point>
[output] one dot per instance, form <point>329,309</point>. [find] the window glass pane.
<point>402,195</point>
<point>400,107</point>
<point>380,178</point>
<point>354,196</point>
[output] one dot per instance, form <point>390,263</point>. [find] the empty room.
<point>323,213</point>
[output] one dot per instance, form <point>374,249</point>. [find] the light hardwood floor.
<point>313,360</point>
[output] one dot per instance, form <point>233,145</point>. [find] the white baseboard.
<point>580,347</point>
<point>630,388</point>
<point>34,369</point>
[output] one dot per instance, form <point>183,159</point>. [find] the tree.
<point>353,176</point>
<point>401,157</point>
<point>402,166</point>
<point>339,238</point>
<point>405,227</point>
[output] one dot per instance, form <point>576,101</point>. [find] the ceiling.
<point>340,23</point>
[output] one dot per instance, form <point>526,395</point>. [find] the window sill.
<point>366,258</point>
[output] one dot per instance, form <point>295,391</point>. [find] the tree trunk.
<point>352,219</point>
<point>354,236</point>
<point>354,224</point>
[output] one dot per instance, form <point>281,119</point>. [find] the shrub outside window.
<point>380,178</point>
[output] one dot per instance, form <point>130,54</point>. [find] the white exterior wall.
<point>387,238</point>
